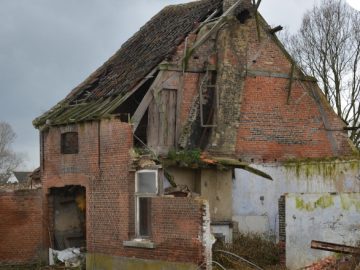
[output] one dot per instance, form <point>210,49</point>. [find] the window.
<point>146,186</point>
<point>69,143</point>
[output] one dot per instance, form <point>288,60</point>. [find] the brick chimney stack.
<point>245,4</point>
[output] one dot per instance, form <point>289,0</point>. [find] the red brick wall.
<point>271,128</point>
<point>20,226</point>
<point>255,121</point>
<point>176,231</point>
<point>103,166</point>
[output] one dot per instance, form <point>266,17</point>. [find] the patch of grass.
<point>252,247</point>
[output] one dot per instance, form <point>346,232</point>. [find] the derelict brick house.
<point>202,100</point>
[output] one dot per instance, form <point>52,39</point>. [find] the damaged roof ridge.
<point>138,55</point>
<point>98,71</point>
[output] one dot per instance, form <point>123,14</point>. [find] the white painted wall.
<point>322,217</point>
<point>256,215</point>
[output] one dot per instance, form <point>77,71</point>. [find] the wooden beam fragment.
<point>261,73</point>
<point>206,21</point>
<point>120,99</point>
<point>335,247</point>
<point>145,102</point>
<point>291,81</point>
<point>276,29</point>
<point>215,28</point>
<point>256,7</point>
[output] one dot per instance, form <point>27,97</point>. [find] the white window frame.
<point>139,195</point>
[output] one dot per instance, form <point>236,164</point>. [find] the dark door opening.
<point>68,212</point>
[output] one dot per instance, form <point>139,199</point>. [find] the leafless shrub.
<point>9,160</point>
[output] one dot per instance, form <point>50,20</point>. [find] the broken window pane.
<point>144,216</point>
<point>69,143</point>
<point>147,182</point>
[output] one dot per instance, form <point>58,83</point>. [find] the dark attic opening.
<point>131,106</point>
<point>243,16</point>
<point>67,216</point>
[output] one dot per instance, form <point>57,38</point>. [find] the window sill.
<point>139,243</point>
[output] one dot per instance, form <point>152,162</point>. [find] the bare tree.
<point>9,160</point>
<point>327,46</point>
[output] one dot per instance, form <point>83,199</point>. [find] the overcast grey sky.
<point>47,47</point>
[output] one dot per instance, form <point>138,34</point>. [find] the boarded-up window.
<point>69,143</point>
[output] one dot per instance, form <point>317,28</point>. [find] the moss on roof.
<point>156,40</point>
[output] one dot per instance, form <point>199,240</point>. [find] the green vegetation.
<point>328,168</point>
<point>323,202</point>
<point>185,157</point>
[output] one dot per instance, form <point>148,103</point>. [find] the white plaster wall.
<point>256,215</point>
<point>336,219</point>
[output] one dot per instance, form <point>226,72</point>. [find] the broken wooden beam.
<point>291,81</point>
<point>206,21</point>
<point>276,29</point>
<point>145,102</point>
<point>121,99</point>
<point>335,247</point>
<point>215,28</point>
<point>351,128</point>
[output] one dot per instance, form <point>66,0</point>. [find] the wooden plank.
<point>335,247</point>
<point>206,21</point>
<point>145,102</point>
<point>171,118</point>
<point>261,73</point>
<point>163,117</point>
<point>141,109</point>
<point>120,99</point>
<point>291,81</point>
<point>216,27</point>
<point>153,125</point>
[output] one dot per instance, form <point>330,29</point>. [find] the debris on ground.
<point>334,263</point>
<point>70,257</point>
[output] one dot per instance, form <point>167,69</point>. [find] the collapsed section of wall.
<point>322,217</point>
<point>20,226</point>
<point>180,239</point>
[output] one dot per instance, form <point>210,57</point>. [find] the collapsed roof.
<point>104,90</point>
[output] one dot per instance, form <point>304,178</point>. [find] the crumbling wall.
<point>104,167</point>
<point>178,230</point>
<point>60,170</point>
<point>323,217</point>
<point>20,226</point>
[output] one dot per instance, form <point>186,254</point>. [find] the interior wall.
<point>216,187</point>
<point>69,204</point>
<point>255,199</point>
<point>186,177</point>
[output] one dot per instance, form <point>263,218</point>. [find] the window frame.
<point>139,195</point>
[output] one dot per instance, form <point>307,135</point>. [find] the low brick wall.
<point>20,226</point>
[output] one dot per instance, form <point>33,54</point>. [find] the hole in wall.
<point>243,16</point>
<point>67,209</point>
